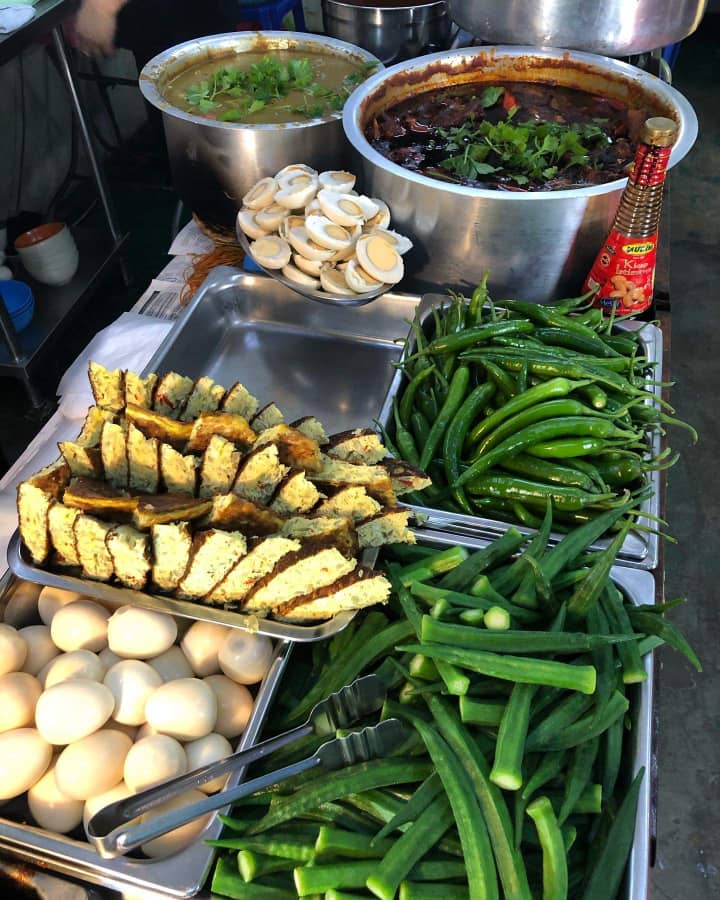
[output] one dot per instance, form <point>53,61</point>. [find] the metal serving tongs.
<point>108,829</point>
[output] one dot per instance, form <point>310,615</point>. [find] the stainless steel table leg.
<point>97,173</point>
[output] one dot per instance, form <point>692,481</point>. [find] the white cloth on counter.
<point>14,17</point>
<point>129,343</point>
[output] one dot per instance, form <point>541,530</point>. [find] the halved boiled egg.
<point>300,241</point>
<point>358,280</point>
<point>310,267</point>
<point>342,182</point>
<point>288,223</point>
<point>271,251</point>
<point>381,219</point>
<point>247,222</point>
<point>401,243</point>
<point>369,207</point>
<point>299,277</point>
<point>294,169</point>
<point>327,233</point>
<point>261,194</point>
<point>333,281</point>
<point>342,209</point>
<point>297,191</point>
<point>379,259</point>
<point>271,217</point>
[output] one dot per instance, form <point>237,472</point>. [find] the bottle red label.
<point>624,272</point>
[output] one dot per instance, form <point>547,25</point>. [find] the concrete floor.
<point>688,705</point>
<point>688,739</point>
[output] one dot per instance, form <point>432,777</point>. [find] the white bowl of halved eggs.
<point>316,231</point>
<point>96,705</point>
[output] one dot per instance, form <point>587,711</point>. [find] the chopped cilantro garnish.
<point>265,83</point>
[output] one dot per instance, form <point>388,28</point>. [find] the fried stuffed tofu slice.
<point>108,386</point>
<point>389,526</point>
<point>298,573</point>
<point>360,445</point>
<point>178,472</point>
<point>296,450</point>
<point>139,391</point>
<point>130,552</point>
<point>90,540</point>
<point>84,461</point>
<point>171,546</point>
<point>143,461</point>
<point>33,505</point>
<point>295,495</point>
<point>171,394</point>
<point>338,473</point>
<point>232,427</point>
<point>61,522</point>
<point>205,397</point>
<point>233,513</point>
<point>240,402</point>
<point>99,498</point>
<point>213,554</point>
<point>260,561</point>
<point>404,477</point>
<point>356,590</point>
<point>159,509</point>
<point>156,425</point>
<point>220,463</point>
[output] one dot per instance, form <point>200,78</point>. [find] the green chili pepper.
<point>455,434</point>
<point>455,396</point>
<point>408,398</point>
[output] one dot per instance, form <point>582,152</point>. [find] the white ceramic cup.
<point>49,253</point>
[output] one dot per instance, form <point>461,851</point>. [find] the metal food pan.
<point>115,596</point>
<point>640,549</point>
<point>309,358</point>
<point>180,875</point>
<point>638,586</point>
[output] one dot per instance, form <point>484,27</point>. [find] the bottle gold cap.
<point>659,131</point>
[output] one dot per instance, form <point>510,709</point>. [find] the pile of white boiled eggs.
<point>96,705</point>
<point>320,233</point>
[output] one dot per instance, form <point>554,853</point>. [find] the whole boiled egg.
<point>152,760</point>
<point>13,650</point>
<point>171,664</point>
<point>131,682</point>
<point>81,625</point>
<point>234,705</point>
<point>24,758</point>
<point>73,709</point>
<point>51,808</point>
<point>201,645</point>
<point>206,750</point>
<point>177,840</point>
<point>76,664</point>
<point>245,657</point>
<point>51,599</point>
<point>185,709</point>
<point>100,801</point>
<point>93,764</point>
<point>19,693</point>
<point>136,633</point>
<point>40,647</point>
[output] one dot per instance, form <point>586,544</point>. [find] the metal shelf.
<point>54,306</point>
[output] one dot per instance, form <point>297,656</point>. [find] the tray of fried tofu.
<point>205,499</point>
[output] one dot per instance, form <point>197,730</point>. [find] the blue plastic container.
<point>19,302</point>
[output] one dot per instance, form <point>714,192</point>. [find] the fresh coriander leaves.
<point>265,83</point>
<point>526,151</point>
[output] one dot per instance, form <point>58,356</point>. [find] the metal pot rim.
<point>386,9</point>
<point>354,133</point>
<point>154,69</point>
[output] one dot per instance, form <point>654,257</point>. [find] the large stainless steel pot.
<point>610,27</point>
<point>392,32</point>
<point>215,163</point>
<point>538,245</point>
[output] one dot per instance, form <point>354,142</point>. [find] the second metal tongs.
<point>112,836</point>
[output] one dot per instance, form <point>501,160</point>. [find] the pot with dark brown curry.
<point>519,136</point>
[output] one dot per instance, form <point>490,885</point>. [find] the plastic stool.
<point>270,15</point>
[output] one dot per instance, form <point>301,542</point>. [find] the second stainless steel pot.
<point>391,32</point>
<point>610,27</point>
<point>215,163</point>
<point>538,245</point>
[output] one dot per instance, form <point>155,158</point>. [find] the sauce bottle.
<point>624,270</point>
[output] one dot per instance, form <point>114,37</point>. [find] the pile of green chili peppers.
<point>510,405</point>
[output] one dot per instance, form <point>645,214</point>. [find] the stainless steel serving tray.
<point>180,875</point>
<point>639,587</point>
<point>327,361</point>
<point>640,549</point>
